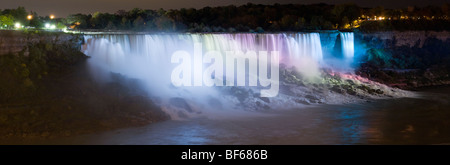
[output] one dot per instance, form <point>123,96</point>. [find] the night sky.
<point>66,7</point>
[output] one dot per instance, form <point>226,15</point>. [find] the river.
<point>420,120</point>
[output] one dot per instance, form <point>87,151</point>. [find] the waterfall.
<point>153,51</point>
<point>347,43</point>
<point>160,46</point>
<point>147,57</point>
<point>120,52</point>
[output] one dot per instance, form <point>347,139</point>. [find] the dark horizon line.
<point>319,3</point>
<point>197,8</point>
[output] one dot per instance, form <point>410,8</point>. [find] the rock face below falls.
<point>390,39</point>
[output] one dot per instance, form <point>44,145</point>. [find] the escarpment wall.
<point>12,41</point>
<point>390,39</point>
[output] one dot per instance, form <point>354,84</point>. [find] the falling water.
<point>148,56</point>
<point>161,46</point>
<point>347,40</point>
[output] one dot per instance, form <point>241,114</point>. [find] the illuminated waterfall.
<point>160,46</point>
<point>119,52</point>
<point>348,47</point>
<point>147,57</point>
<point>139,56</point>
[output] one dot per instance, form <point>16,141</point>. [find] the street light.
<point>29,17</point>
<point>52,16</point>
<point>17,25</point>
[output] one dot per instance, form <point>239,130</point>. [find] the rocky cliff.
<point>389,39</point>
<point>12,41</point>
<point>406,59</point>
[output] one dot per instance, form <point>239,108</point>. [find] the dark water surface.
<point>422,120</point>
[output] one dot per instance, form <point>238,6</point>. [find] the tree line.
<point>244,18</point>
<point>9,17</point>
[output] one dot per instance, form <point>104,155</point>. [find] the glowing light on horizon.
<point>17,25</point>
<point>50,26</point>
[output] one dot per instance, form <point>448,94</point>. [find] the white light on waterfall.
<point>47,25</point>
<point>52,27</point>
<point>348,48</point>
